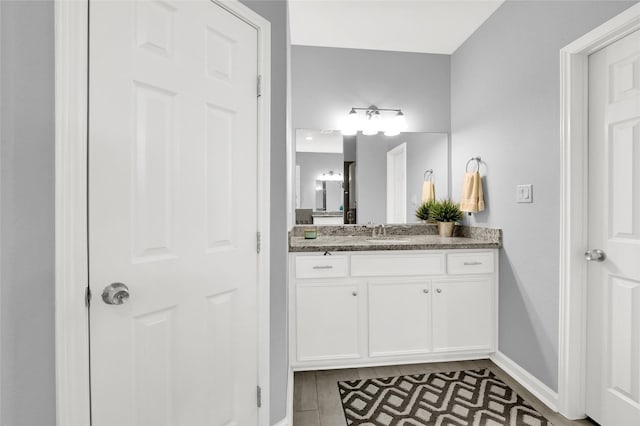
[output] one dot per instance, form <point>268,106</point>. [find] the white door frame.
<point>574,67</point>
<point>71,276</point>
<point>0,205</point>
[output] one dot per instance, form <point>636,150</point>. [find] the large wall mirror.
<point>366,179</point>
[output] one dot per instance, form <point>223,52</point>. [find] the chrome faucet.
<point>379,230</point>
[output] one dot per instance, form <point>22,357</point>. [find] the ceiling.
<point>327,141</point>
<point>426,26</point>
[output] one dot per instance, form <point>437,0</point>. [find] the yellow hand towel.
<point>472,199</point>
<point>428,191</point>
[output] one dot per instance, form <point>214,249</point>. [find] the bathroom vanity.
<point>406,297</point>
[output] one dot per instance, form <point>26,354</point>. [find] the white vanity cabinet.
<point>351,309</point>
<point>399,317</point>
<point>327,320</point>
<point>463,314</point>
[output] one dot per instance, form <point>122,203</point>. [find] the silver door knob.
<point>595,255</point>
<point>115,294</point>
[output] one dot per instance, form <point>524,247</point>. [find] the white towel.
<point>472,199</point>
<point>428,191</point>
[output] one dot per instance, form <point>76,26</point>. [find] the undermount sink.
<point>387,241</point>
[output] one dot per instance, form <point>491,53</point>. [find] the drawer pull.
<point>355,293</point>
<point>472,263</point>
<point>425,291</point>
<point>323,267</point>
<point>439,290</point>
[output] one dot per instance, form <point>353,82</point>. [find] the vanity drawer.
<point>470,263</point>
<point>378,265</point>
<point>322,266</point>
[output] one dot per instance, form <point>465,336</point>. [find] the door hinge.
<point>258,241</point>
<point>259,396</point>
<point>87,297</point>
<point>259,86</point>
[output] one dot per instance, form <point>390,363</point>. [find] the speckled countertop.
<point>398,237</point>
<point>327,214</point>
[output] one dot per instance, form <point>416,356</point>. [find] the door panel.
<point>173,213</point>
<point>327,323</point>
<point>462,314</point>
<point>613,320</point>
<point>399,318</point>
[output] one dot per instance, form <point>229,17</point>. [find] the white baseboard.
<point>288,419</point>
<point>526,379</point>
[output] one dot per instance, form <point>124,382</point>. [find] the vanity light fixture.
<point>374,121</point>
<point>331,176</point>
<point>351,123</point>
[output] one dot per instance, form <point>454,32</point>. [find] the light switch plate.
<point>524,193</point>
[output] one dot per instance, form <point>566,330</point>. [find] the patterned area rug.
<point>460,398</point>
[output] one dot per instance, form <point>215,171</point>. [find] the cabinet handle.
<point>472,263</point>
<point>323,267</point>
<point>355,293</point>
<point>439,290</point>
<point>425,291</point>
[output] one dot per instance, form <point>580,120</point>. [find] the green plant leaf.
<point>445,211</point>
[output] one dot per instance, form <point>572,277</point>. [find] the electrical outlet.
<point>524,193</point>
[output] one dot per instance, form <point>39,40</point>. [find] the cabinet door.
<point>463,314</point>
<point>327,321</point>
<point>399,318</point>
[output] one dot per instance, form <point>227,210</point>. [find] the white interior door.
<point>613,320</point>
<point>173,214</point>
<point>397,184</point>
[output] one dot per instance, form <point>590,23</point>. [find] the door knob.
<point>115,294</point>
<point>595,255</point>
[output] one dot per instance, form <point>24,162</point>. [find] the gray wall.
<point>371,179</point>
<point>313,164</point>
<point>424,151</point>
<point>276,12</point>
<point>27,226</point>
<point>505,108</point>
<point>326,82</point>
<point>27,263</point>
<point>349,148</point>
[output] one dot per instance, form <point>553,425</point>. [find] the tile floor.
<point>316,401</point>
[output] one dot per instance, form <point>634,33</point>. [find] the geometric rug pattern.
<point>458,398</point>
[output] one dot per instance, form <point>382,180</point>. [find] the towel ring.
<point>477,160</point>
<point>428,174</point>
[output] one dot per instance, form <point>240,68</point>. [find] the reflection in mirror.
<point>366,179</point>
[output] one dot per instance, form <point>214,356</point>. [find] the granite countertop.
<point>399,237</point>
<point>327,214</point>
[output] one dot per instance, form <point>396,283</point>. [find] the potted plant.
<point>446,213</point>
<point>424,210</point>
